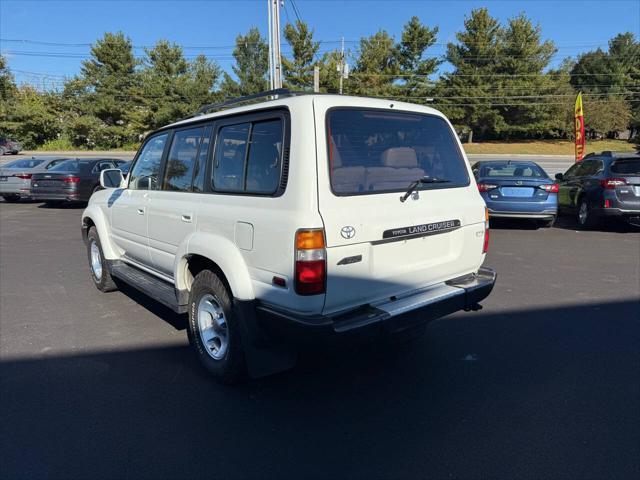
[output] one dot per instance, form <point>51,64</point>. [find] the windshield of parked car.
<point>626,166</point>
<point>374,151</point>
<point>24,163</point>
<point>508,169</point>
<point>70,166</point>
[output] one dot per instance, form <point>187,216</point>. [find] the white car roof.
<point>301,99</point>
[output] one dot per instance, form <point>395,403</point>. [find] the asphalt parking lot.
<point>544,382</point>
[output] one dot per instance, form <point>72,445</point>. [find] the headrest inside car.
<point>399,157</point>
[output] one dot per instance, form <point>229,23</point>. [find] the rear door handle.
<point>141,211</point>
<point>186,217</point>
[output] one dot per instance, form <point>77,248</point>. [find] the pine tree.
<point>251,66</point>
<point>298,71</point>
<point>414,67</point>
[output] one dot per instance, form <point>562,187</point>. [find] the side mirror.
<point>111,178</point>
<point>559,176</point>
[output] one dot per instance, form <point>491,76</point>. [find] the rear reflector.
<point>612,183</point>
<point>72,180</point>
<point>23,176</point>
<point>553,188</point>
<point>310,262</point>
<point>485,187</point>
<point>485,243</point>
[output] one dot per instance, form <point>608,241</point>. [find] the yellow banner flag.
<point>579,121</point>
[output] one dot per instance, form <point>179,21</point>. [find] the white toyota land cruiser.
<point>313,213</point>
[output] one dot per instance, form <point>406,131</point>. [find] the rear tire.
<point>586,218</point>
<point>214,330</point>
<point>97,264</point>
<point>11,198</point>
<point>53,203</point>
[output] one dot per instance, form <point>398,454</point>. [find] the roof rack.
<point>214,107</point>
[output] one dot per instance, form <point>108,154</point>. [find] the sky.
<point>211,26</point>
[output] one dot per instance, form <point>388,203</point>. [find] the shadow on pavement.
<point>546,393</point>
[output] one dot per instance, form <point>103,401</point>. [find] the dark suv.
<point>602,185</point>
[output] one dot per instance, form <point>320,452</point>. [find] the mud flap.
<point>263,356</point>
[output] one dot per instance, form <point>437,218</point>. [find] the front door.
<point>130,205</point>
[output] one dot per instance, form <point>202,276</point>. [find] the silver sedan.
<point>15,177</point>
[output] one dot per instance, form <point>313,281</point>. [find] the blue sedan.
<point>514,189</point>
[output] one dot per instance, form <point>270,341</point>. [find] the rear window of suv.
<point>377,151</point>
<point>626,166</point>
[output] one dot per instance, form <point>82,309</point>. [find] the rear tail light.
<point>485,187</point>
<point>311,264</point>
<point>72,180</point>
<point>607,203</point>
<point>23,176</point>
<point>553,188</point>
<point>485,243</point>
<point>612,183</point>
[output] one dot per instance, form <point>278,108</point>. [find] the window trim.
<point>434,186</point>
<point>281,114</point>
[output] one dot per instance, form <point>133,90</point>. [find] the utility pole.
<point>316,79</point>
<point>275,64</point>
<point>343,68</point>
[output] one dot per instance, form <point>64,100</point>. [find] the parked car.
<point>8,145</point>
<point>15,176</point>
<point>364,217</point>
<point>604,185</point>
<point>517,189</point>
<point>73,180</point>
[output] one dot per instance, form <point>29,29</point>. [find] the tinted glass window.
<point>626,166</point>
<point>589,167</point>
<point>265,151</point>
<point>372,151</point>
<point>145,172</point>
<point>198,174</point>
<point>526,170</point>
<point>181,160</point>
<point>53,163</point>
<point>72,166</point>
<point>228,164</point>
<point>24,163</point>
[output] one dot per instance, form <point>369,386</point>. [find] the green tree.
<point>7,94</point>
<point>251,66</point>
<point>524,90</point>
<point>414,67</point>
<point>376,66</point>
<point>468,90</point>
<point>33,118</point>
<point>298,71</point>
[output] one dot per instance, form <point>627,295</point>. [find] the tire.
<point>216,341</point>
<point>11,198</point>
<point>586,218</point>
<point>97,264</point>
<point>53,203</point>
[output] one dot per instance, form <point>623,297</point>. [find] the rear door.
<point>377,245</point>
<point>172,208</point>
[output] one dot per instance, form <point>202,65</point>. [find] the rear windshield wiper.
<point>414,185</point>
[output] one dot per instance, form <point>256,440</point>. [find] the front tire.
<point>97,264</point>
<point>213,328</point>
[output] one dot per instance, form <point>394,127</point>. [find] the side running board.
<point>150,285</point>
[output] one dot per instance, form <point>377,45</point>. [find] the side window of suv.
<point>248,157</point>
<point>145,172</point>
<point>182,159</point>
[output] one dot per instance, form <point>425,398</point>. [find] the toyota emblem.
<point>348,232</point>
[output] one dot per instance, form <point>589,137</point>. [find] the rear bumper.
<point>543,215</point>
<point>68,197</point>
<point>630,216</point>
<point>395,315</point>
